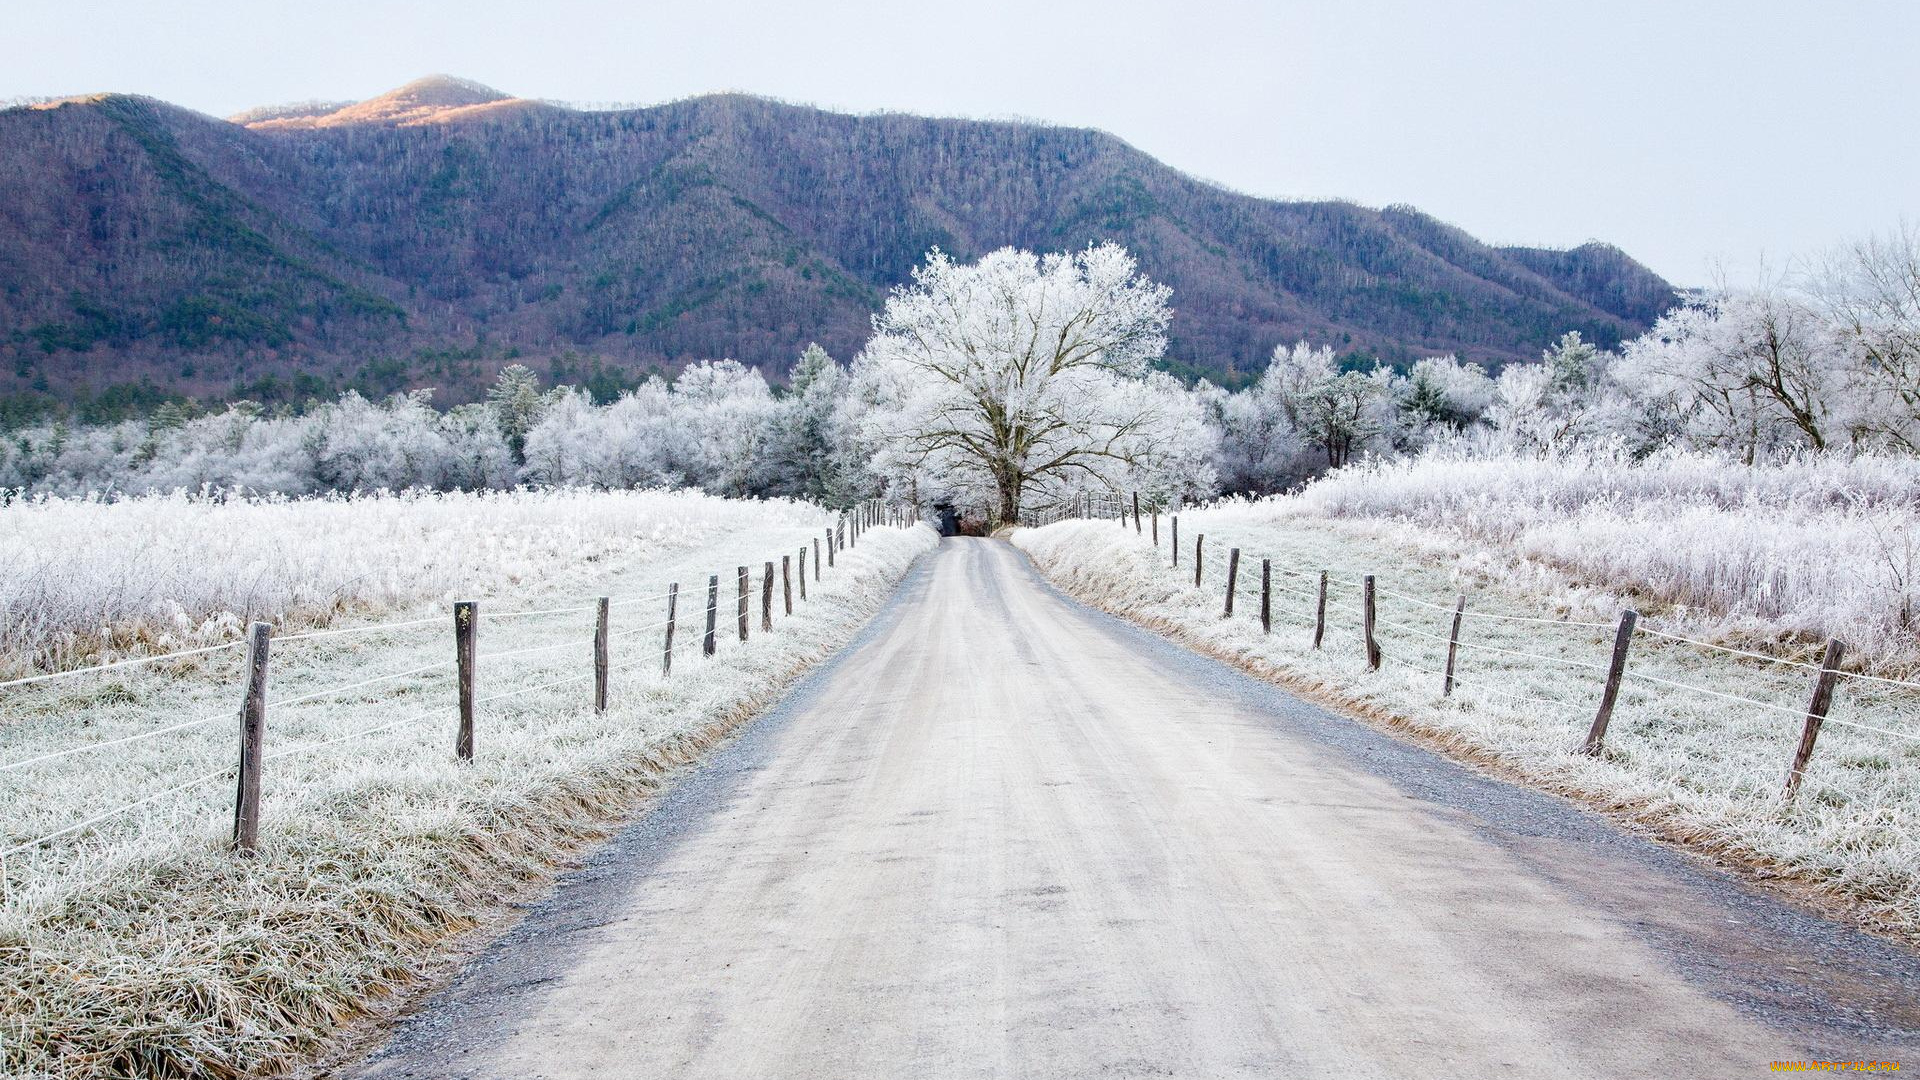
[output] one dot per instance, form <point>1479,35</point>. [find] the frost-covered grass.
<point>1780,555</point>
<point>1698,767</point>
<point>141,947</point>
<point>86,580</point>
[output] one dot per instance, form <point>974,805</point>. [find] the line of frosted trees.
<point>1020,380</point>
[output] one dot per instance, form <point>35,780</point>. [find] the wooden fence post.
<point>253,733</point>
<point>1616,670</point>
<point>803,572</point>
<point>1233,580</point>
<point>1373,647</point>
<point>1320,612</point>
<point>600,621</point>
<point>1176,539</point>
<point>1816,713</point>
<point>1266,596</point>
<point>829,547</point>
<point>766,597</point>
<point>1199,557</point>
<point>746,590</point>
<point>466,634</point>
<point>1156,528</point>
<point>708,643</point>
<point>1136,513</point>
<point>666,653</point>
<point>1453,643</point>
<point>786,580</point>
<point>816,560</point>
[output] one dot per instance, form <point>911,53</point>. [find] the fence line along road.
<point>467,664</point>
<point>1615,665</point>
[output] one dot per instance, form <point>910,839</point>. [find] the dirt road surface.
<point>1003,835</point>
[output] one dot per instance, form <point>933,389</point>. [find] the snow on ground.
<point>1697,764</point>
<point>140,944</point>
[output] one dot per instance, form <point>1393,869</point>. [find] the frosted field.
<point>139,944</point>
<point>1777,556</point>
<point>1696,763</point>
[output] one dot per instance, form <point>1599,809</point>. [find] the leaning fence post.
<point>1199,557</point>
<point>666,653</point>
<point>1367,603</point>
<point>803,572</point>
<point>708,643</point>
<point>466,632</point>
<point>600,655</point>
<point>1266,596</point>
<point>1233,580</point>
<point>1176,539</point>
<point>1453,643</point>
<point>746,589</point>
<point>1623,637</point>
<point>253,732</point>
<point>1816,713</point>
<point>1320,612</point>
<point>786,580</point>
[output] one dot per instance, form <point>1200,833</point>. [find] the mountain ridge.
<point>427,235</point>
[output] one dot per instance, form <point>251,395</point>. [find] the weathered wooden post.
<point>803,572</point>
<point>746,590</point>
<point>1175,521</point>
<point>1266,596</point>
<point>1156,528</point>
<point>786,580</point>
<point>1453,643</point>
<point>1199,557</point>
<point>466,633</point>
<point>1616,670</point>
<point>766,597</point>
<point>829,547</point>
<point>253,734</point>
<point>1320,612</point>
<point>1233,580</point>
<point>708,643</point>
<point>816,560</point>
<point>600,665</point>
<point>666,650</point>
<point>1373,647</point>
<point>1816,714</point>
<point>1136,513</point>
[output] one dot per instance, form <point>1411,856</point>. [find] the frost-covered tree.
<point>1021,373</point>
<point>1870,295</point>
<point>517,403</point>
<point>801,444</point>
<point>1752,371</point>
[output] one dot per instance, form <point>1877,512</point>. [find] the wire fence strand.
<point>134,662</point>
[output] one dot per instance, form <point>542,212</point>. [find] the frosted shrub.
<point>1807,547</point>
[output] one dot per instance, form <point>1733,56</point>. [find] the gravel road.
<point>1004,835</point>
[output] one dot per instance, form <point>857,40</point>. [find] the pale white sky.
<point>1692,134</point>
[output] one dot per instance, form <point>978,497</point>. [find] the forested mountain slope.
<point>423,237</point>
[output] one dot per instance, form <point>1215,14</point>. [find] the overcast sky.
<point>1694,135</point>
